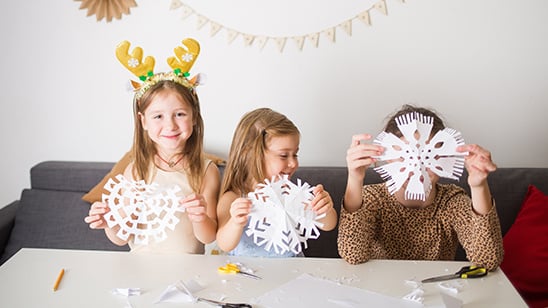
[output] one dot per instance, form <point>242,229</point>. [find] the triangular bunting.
<point>381,7</point>
<point>187,11</point>
<point>215,27</point>
<point>248,39</point>
<point>347,26</point>
<point>280,41</point>
<point>175,4</point>
<point>231,35</point>
<point>299,40</point>
<point>261,41</point>
<point>330,33</point>
<point>364,16</point>
<point>314,38</point>
<point>202,20</point>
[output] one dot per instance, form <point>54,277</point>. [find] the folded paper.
<point>408,158</point>
<point>280,218</point>
<point>142,210</point>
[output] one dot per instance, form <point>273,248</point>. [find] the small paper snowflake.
<point>141,210</point>
<point>280,218</point>
<point>409,159</point>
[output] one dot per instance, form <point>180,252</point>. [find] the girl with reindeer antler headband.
<point>167,150</point>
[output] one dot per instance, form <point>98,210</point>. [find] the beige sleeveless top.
<point>181,239</point>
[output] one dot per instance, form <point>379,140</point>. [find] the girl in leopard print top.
<point>375,224</point>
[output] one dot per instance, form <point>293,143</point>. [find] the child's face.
<point>281,157</point>
<point>168,122</point>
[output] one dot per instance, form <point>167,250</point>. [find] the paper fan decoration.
<point>142,210</point>
<point>279,218</point>
<point>410,158</point>
<point>107,8</point>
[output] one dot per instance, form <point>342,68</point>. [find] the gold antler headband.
<point>185,56</point>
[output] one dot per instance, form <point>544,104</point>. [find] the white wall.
<point>481,63</point>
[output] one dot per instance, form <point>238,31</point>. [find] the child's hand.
<point>478,163</point>
<point>322,202</point>
<point>360,155</point>
<point>239,211</point>
<point>95,217</point>
<point>196,207</point>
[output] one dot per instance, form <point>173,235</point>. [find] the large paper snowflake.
<point>410,157</point>
<point>280,218</point>
<point>142,210</point>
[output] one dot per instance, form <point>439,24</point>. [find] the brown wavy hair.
<point>144,148</point>
<point>392,126</point>
<point>245,165</point>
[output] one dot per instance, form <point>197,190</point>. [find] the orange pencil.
<point>59,277</point>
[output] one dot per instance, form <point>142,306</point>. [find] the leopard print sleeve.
<point>479,235</point>
<point>356,231</point>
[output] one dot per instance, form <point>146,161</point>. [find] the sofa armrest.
<point>7,219</point>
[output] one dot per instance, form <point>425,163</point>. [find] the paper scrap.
<point>180,292</point>
<point>279,218</point>
<point>127,292</point>
<point>142,210</point>
<point>409,158</point>
<point>451,301</point>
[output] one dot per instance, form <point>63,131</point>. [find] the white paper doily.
<point>144,211</point>
<point>411,157</point>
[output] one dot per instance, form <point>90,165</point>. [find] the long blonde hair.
<point>144,148</point>
<point>245,164</point>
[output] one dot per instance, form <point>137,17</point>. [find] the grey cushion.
<point>36,227</point>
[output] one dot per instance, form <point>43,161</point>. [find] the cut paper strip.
<point>279,218</point>
<point>142,210</point>
<point>409,158</point>
<point>309,291</point>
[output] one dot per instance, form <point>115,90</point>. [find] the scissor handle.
<point>472,271</point>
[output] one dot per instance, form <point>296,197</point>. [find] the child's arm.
<point>232,215</point>
<point>479,164</point>
<point>322,203</point>
<point>358,158</point>
<point>201,208</point>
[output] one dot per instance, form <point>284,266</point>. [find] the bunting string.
<point>261,40</point>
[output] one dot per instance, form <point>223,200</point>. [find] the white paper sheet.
<point>144,211</point>
<point>280,218</point>
<point>309,291</point>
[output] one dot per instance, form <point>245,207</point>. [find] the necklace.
<point>171,164</point>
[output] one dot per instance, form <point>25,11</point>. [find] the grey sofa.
<point>50,213</point>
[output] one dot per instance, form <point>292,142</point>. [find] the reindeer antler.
<point>185,56</point>
<point>133,62</point>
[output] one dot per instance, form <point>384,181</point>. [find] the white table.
<point>26,280</point>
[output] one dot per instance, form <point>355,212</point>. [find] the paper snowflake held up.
<point>279,217</point>
<point>410,158</point>
<point>142,210</point>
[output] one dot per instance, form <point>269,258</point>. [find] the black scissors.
<point>464,273</point>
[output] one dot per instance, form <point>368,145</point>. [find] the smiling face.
<point>281,155</point>
<point>168,121</point>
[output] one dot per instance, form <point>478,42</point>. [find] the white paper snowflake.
<point>142,210</point>
<point>411,157</point>
<point>279,216</point>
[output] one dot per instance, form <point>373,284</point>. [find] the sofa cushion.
<point>54,219</point>
<point>96,193</point>
<point>526,249</point>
